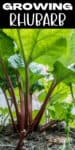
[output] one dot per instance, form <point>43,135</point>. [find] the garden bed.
<point>52,139</point>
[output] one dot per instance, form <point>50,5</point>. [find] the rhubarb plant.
<point>19,49</point>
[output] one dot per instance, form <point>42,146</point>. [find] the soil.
<point>52,139</point>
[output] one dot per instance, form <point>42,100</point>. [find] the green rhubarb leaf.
<point>39,44</point>
<point>6,46</point>
<point>63,74</point>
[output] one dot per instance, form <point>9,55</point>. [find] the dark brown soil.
<point>53,139</point>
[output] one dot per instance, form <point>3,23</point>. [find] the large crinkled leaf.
<point>63,74</point>
<point>38,43</point>
<point>6,46</point>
